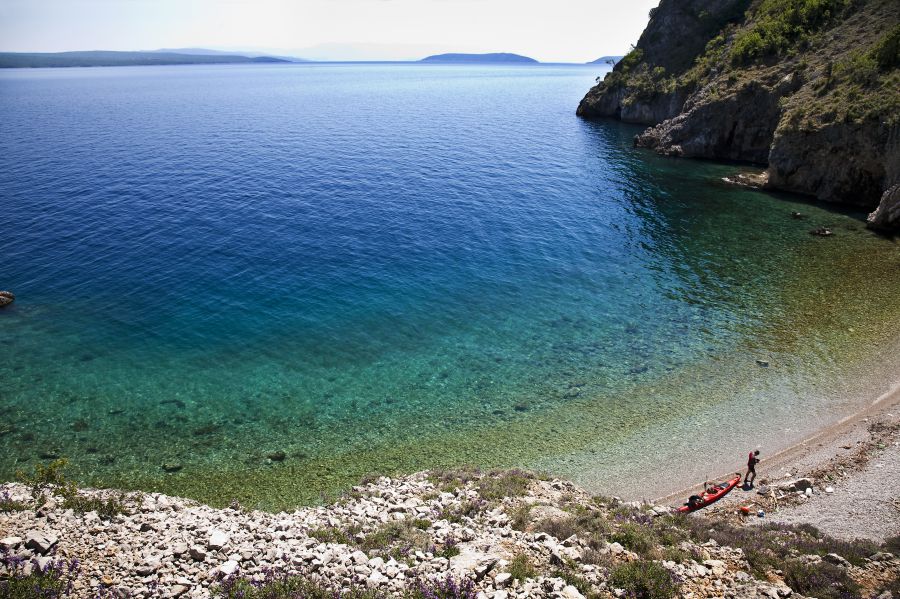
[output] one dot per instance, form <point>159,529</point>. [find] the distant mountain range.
<point>501,57</point>
<point>606,60</point>
<point>104,58</point>
<point>179,56</point>
<point>211,52</point>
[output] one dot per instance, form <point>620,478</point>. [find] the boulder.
<point>217,540</point>
<point>9,543</point>
<point>197,553</point>
<point>229,567</point>
<point>148,567</point>
<point>717,567</point>
<point>6,298</point>
<point>41,542</point>
<point>570,592</point>
<point>801,484</point>
<point>822,232</point>
<point>472,560</point>
<point>837,560</point>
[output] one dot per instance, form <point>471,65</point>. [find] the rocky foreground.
<point>449,534</point>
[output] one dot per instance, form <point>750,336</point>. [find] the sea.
<point>263,282</point>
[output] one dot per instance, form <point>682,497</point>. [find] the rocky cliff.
<point>809,88</point>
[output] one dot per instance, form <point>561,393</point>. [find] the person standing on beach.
<point>752,461</point>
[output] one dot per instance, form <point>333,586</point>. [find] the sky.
<point>548,30</point>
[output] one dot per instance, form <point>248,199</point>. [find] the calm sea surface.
<point>393,267</point>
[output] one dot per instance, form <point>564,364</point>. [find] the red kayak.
<point>710,495</point>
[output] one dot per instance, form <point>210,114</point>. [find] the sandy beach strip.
<point>858,458</point>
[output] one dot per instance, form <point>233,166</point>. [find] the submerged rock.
<point>822,232</point>
<point>749,180</point>
<point>6,298</point>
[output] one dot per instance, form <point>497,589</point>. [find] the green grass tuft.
<point>498,486</point>
<point>521,568</point>
<point>643,580</point>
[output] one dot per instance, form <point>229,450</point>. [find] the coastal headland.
<point>811,92</point>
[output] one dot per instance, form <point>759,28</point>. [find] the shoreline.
<point>839,410</point>
<point>498,535</point>
<point>813,451</point>
<point>471,527</point>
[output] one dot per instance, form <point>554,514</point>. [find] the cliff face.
<point>810,89</point>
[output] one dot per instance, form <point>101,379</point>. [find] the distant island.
<point>103,58</point>
<point>607,60</point>
<point>500,57</point>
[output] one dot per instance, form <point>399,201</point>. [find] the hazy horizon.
<point>571,31</point>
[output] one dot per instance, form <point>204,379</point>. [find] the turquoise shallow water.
<point>388,268</point>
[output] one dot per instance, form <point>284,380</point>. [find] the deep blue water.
<point>374,267</point>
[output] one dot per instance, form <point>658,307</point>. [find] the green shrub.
<point>770,547</point>
<point>643,580</point>
<point>630,60</point>
<point>573,579</point>
<point>450,549</point>
<point>402,533</point>
<point>822,580</point>
<point>56,579</point>
<point>520,568</point>
<point>676,555</point>
<point>593,526</point>
<point>892,545</point>
<point>596,558</point>
<point>284,586</point>
<point>106,508</point>
<point>47,479</point>
<point>466,509</point>
<point>8,504</point>
<point>333,534</point>
<point>521,516</point>
<point>887,51</point>
<point>450,480</point>
<point>510,483</point>
<point>635,537</point>
<point>781,26</point>
<point>561,528</point>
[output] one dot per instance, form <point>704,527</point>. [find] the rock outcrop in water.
<point>812,90</point>
<point>6,298</point>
